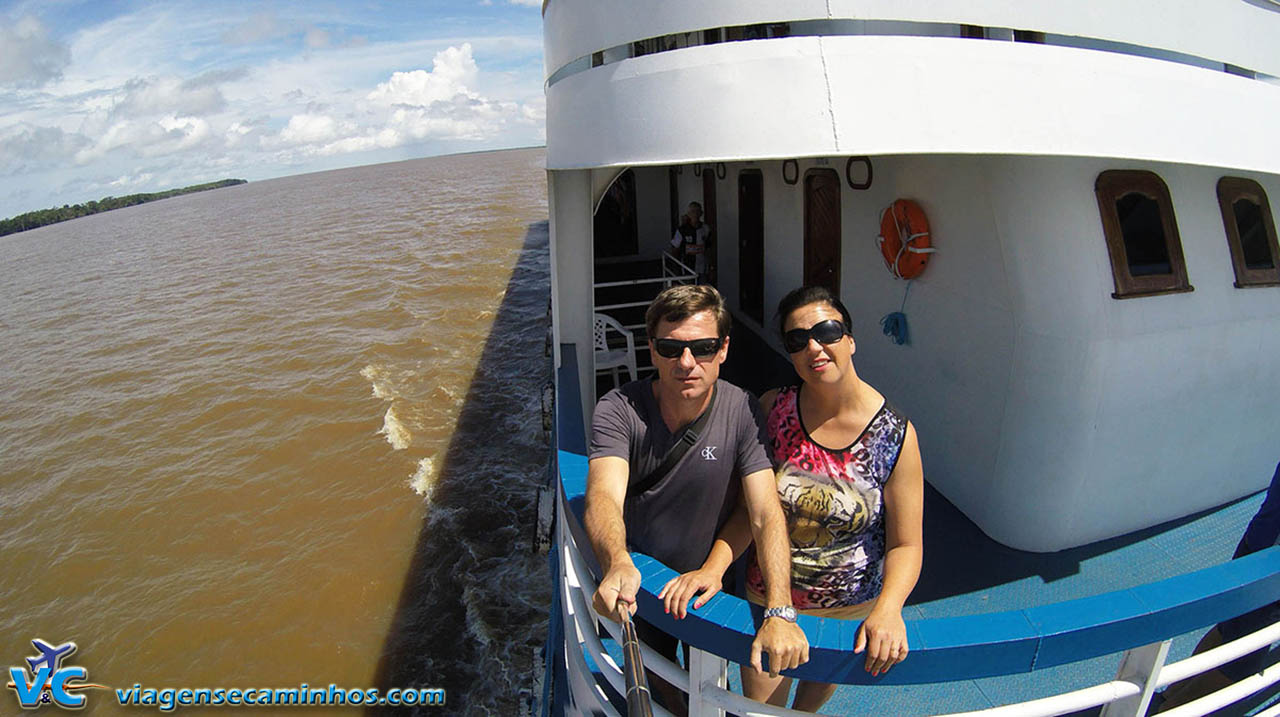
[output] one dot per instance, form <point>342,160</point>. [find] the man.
<point>689,243</point>
<point>676,520</point>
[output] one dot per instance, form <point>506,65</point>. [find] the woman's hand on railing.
<point>678,591</point>
<point>884,637</point>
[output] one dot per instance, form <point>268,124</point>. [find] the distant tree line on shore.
<point>41,217</point>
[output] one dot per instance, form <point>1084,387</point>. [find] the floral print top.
<point>834,507</point>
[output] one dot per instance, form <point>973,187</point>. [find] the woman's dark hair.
<point>806,295</point>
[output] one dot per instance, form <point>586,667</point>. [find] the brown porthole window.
<point>1142,235</point>
<point>1251,232</point>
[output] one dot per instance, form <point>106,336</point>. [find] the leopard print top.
<point>833,501</point>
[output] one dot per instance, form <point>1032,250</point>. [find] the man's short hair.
<point>680,302</point>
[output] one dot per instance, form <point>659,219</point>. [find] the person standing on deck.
<point>689,243</point>
<point>675,517</point>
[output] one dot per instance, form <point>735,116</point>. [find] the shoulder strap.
<point>687,439</point>
<point>902,439</point>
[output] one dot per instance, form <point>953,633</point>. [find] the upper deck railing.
<point>1138,621</point>
<point>1239,33</point>
<point>1136,79</point>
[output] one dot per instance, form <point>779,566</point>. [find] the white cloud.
<point>452,71</point>
<point>181,133</point>
<point>243,133</point>
<point>150,138</point>
<point>379,139</point>
<point>410,106</point>
<point>535,110</point>
<point>24,144</point>
<point>136,180</point>
<point>156,116</point>
<point>218,77</point>
<point>310,129</point>
<point>441,103</point>
<point>527,3</point>
<point>28,56</point>
<point>184,92</point>
<point>142,97</point>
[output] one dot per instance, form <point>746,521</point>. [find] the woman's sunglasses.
<point>700,348</point>
<point>824,332</point>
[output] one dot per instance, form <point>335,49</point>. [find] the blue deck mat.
<point>998,578</point>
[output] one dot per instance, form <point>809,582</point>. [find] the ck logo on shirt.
<point>709,453</point>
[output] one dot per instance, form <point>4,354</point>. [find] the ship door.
<point>709,218</point>
<point>822,229</point>
<point>616,229</point>
<point>751,243</point>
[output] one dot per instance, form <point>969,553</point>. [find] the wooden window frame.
<point>1109,187</point>
<point>1231,190</point>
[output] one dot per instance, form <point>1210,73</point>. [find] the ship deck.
<point>966,573</point>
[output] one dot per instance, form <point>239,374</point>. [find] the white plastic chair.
<point>607,358</point>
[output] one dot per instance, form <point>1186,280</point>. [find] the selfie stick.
<point>637,686</point>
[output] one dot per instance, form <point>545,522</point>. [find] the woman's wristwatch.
<point>786,612</point>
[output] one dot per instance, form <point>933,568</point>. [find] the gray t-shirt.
<point>677,519</point>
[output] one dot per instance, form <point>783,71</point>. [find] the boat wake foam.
<point>397,434</point>
<point>423,481</point>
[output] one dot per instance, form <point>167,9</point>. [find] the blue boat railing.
<point>1138,621</point>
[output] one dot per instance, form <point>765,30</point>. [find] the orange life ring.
<point>904,239</point>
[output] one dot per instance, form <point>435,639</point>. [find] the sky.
<point>112,97</point>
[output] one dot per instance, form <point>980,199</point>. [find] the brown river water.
<point>284,432</point>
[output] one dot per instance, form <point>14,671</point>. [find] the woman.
<point>851,483</point>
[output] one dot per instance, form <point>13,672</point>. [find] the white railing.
<point>1228,31</point>
<point>705,683</point>
<point>674,272</point>
<point>1142,669</point>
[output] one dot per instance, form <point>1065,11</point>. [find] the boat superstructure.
<point>1093,349</point>
<point>1038,391</point>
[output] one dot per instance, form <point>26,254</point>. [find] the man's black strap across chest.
<point>688,438</point>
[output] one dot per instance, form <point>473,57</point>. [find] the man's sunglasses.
<point>824,332</point>
<point>700,348</point>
